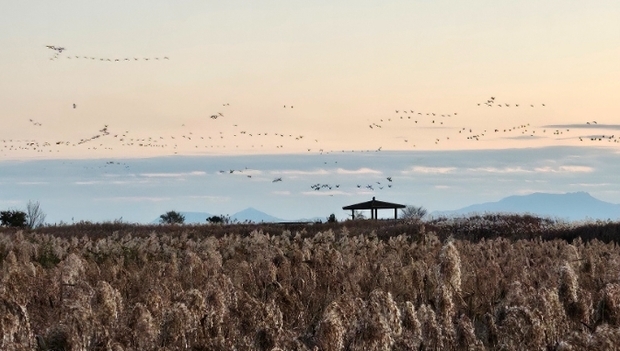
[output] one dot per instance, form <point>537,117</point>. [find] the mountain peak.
<point>571,206</point>
<point>253,215</point>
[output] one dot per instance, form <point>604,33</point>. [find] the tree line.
<point>32,217</point>
<point>407,213</point>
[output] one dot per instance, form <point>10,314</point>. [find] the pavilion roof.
<point>372,204</point>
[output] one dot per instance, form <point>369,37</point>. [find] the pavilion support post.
<point>352,214</point>
<point>395,213</point>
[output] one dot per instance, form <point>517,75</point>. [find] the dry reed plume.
<point>335,289</point>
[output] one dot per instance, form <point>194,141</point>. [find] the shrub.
<point>332,218</point>
<point>172,217</point>
<point>216,219</point>
<point>34,215</point>
<point>13,218</point>
<point>413,212</point>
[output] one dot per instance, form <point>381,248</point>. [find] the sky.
<point>157,83</point>
<point>139,190</point>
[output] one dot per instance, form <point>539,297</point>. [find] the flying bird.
<point>59,49</point>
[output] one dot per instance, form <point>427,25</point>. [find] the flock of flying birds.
<point>58,52</point>
<point>450,124</point>
<point>408,117</point>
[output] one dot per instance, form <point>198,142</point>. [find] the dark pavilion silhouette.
<point>374,205</point>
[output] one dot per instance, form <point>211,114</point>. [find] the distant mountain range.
<point>250,214</point>
<point>569,206</point>
<point>253,215</point>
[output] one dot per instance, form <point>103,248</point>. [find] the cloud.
<point>438,127</point>
<point>240,172</point>
<point>251,172</point>
<point>321,171</point>
<point>577,169</point>
<point>301,172</point>
<point>546,169</point>
<point>115,182</point>
<point>88,182</point>
<point>525,137</point>
<point>529,191</point>
<point>584,126</point>
<point>324,193</point>
<point>589,184</point>
<point>172,175</point>
<point>442,187</point>
<point>285,192</point>
<point>32,183</point>
<point>429,170</point>
<point>121,182</point>
<point>362,170</point>
<point>500,170</point>
<point>133,199</point>
<point>565,169</point>
<point>208,197</point>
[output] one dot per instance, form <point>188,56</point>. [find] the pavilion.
<point>374,205</point>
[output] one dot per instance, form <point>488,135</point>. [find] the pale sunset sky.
<point>223,80</point>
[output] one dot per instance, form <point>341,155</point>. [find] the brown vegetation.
<point>505,283</point>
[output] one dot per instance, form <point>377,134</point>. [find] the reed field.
<point>482,283</point>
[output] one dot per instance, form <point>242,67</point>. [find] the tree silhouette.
<point>172,217</point>
<point>34,215</point>
<point>413,212</point>
<point>13,218</point>
<point>216,219</point>
<point>332,218</point>
<point>358,215</point>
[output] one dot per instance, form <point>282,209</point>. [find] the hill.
<point>570,206</point>
<point>251,214</point>
<point>248,215</point>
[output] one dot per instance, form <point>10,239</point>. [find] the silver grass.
<point>143,329</point>
<point>432,336</point>
<point>331,331</point>
<point>72,269</point>
<point>412,328</point>
<point>109,301</point>
<point>466,338</point>
<point>450,266</point>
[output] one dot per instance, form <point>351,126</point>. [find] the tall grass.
<point>347,287</point>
